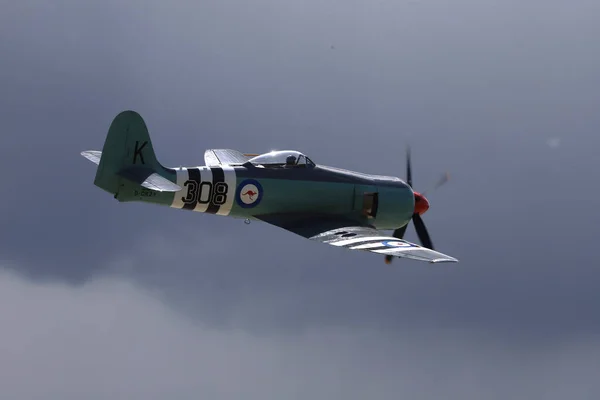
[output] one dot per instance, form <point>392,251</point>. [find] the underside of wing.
<point>215,157</point>
<point>369,239</point>
<point>350,235</point>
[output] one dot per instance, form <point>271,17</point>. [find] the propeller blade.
<point>408,167</point>
<point>422,232</point>
<point>443,179</point>
<point>398,233</point>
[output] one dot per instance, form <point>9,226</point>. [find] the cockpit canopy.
<point>283,159</point>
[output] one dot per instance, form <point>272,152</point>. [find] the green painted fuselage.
<point>246,189</point>
<point>318,190</point>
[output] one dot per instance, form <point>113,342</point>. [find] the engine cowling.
<point>394,208</point>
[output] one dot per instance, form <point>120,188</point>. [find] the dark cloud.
<point>476,88</point>
<point>110,338</point>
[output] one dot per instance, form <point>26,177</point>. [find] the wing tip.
<point>448,259</point>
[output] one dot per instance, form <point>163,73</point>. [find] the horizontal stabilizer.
<point>142,176</point>
<point>149,179</point>
<point>160,184</point>
<point>92,155</point>
<point>215,157</point>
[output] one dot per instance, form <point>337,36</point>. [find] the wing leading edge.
<point>349,235</point>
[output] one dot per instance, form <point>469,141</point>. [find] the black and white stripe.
<point>371,240</point>
<point>217,176</point>
<point>361,242</point>
<point>205,177</point>
<point>231,181</point>
<point>372,243</point>
<point>182,177</point>
<point>193,175</point>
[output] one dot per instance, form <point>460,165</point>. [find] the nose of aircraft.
<point>421,204</point>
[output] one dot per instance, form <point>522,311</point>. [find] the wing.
<point>369,239</point>
<point>215,157</point>
<point>350,235</point>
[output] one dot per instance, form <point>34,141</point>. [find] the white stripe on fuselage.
<point>204,194</point>
<point>231,181</point>
<point>182,176</point>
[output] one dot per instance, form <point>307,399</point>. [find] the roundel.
<point>249,193</point>
<point>396,243</point>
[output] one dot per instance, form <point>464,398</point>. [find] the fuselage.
<point>248,191</point>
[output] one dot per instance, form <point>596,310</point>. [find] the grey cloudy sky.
<point>135,301</point>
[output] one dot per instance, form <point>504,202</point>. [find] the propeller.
<point>421,206</point>
<point>443,179</point>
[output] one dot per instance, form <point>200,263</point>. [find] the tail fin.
<point>128,154</point>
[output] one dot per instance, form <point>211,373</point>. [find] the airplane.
<point>342,208</point>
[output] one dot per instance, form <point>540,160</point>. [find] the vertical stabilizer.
<point>128,154</point>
